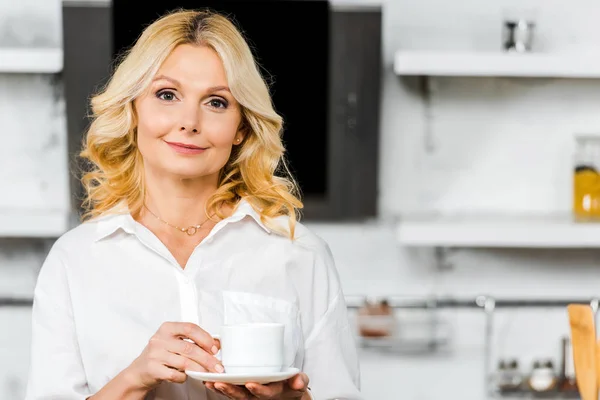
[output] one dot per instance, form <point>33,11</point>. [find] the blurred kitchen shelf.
<point>33,223</point>
<point>31,60</point>
<point>560,231</point>
<point>402,345</point>
<point>524,394</point>
<point>534,396</point>
<point>532,65</point>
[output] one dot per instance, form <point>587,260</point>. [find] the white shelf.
<point>42,61</point>
<point>501,231</point>
<point>451,63</point>
<point>34,223</point>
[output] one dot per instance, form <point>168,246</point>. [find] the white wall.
<point>33,172</point>
<point>20,260</point>
<point>492,128</point>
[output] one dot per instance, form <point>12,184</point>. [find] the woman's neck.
<point>177,201</point>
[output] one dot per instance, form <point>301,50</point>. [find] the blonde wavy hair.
<point>256,169</point>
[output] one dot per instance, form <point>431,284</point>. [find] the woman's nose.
<point>192,130</point>
<point>190,120</point>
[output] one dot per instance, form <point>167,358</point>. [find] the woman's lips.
<point>183,148</point>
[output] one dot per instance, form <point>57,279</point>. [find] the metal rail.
<point>479,302</point>
<point>353,302</point>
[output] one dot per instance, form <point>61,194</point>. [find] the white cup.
<point>253,348</point>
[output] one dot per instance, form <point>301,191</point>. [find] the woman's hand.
<point>293,388</point>
<point>168,355</point>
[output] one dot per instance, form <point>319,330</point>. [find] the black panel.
<point>87,47</point>
<point>355,104</point>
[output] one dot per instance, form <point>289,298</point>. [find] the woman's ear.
<point>238,139</point>
<point>241,133</point>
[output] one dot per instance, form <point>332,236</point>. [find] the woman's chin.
<point>188,173</point>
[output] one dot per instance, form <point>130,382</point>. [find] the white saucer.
<point>242,379</point>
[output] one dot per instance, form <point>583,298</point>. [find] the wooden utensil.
<point>598,368</point>
<point>583,339</point>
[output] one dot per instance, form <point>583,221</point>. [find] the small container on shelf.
<point>586,178</point>
<point>508,377</point>
<point>376,319</point>
<point>542,380</point>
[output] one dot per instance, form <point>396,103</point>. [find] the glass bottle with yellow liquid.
<point>586,178</point>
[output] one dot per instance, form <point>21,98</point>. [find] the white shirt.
<point>108,284</point>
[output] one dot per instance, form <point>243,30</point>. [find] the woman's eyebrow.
<point>218,89</point>
<point>166,78</point>
<point>175,82</point>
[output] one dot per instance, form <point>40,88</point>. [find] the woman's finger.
<point>233,392</point>
<point>181,363</point>
<point>164,373</point>
<point>270,391</point>
<point>299,382</point>
<point>195,354</point>
<point>190,331</point>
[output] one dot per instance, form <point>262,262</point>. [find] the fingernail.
<point>214,349</point>
<point>219,368</point>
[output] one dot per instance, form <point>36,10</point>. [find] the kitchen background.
<point>467,155</point>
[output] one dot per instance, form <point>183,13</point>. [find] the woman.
<point>188,228</point>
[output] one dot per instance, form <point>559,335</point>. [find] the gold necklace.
<point>190,230</point>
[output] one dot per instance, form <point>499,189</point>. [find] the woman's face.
<point>188,120</point>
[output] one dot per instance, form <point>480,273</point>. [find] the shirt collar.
<point>119,217</point>
<point>245,209</point>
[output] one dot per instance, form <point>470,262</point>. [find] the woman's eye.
<point>166,95</point>
<point>217,103</point>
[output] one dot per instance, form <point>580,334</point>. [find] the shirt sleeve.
<point>331,359</point>
<point>56,370</point>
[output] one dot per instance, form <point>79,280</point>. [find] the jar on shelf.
<point>376,319</point>
<point>586,178</point>
<point>509,378</point>
<point>543,379</point>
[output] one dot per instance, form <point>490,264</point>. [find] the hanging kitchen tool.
<point>585,350</point>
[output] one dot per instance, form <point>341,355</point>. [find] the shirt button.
<point>186,281</point>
